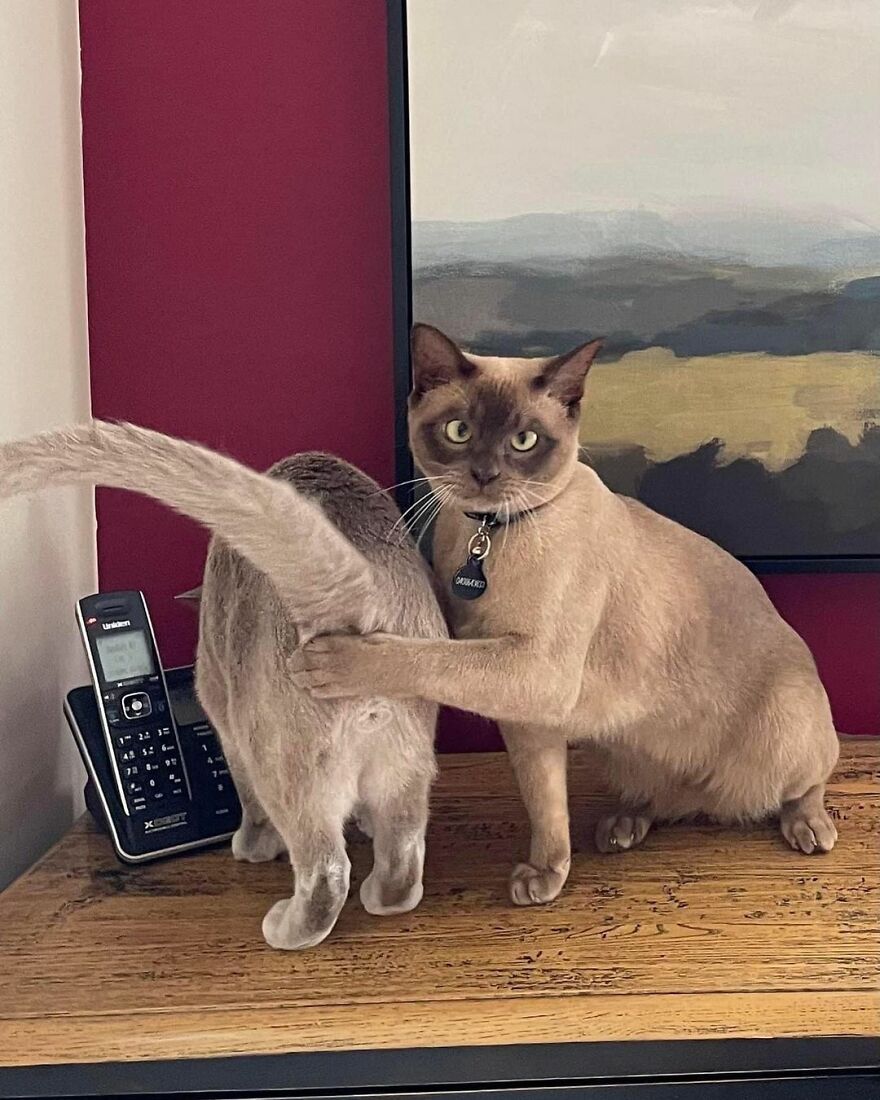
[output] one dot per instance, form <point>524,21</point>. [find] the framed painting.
<point>695,181</point>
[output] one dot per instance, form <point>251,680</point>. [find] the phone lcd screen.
<point>125,655</point>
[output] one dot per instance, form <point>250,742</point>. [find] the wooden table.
<point>117,979</point>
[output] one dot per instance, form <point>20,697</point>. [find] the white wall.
<point>47,544</point>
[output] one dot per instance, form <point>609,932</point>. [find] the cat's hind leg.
<point>394,885</point>
<point>805,822</point>
<point>639,783</point>
<point>394,794</point>
<point>321,875</point>
<point>256,840</point>
<point>809,738</point>
<point>793,749</point>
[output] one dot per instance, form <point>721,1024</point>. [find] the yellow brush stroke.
<point>761,406</point>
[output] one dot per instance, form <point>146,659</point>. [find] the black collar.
<point>497,519</point>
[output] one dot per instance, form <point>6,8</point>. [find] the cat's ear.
<point>192,596</point>
<point>564,377</point>
<point>436,360</point>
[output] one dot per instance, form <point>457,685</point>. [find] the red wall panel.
<point>237,214</point>
<point>237,229</point>
<point>839,617</point>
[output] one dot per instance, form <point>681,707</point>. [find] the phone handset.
<point>133,702</point>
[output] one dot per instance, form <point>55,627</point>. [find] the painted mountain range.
<point>739,388</point>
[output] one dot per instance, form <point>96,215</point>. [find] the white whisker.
<point>424,505</point>
<point>429,519</point>
<point>506,532</point>
<point>402,518</point>
<point>432,498</point>
<point>412,481</point>
<point>443,499</point>
<point>425,516</point>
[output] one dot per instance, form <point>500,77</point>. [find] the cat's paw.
<point>285,929</point>
<point>385,898</point>
<point>341,666</point>
<point>535,886</point>
<point>808,830</point>
<point>252,843</point>
<point>621,831</point>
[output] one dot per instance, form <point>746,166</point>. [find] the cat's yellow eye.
<point>457,431</point>
<point>524,441</point>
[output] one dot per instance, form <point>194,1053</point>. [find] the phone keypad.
<point>211,762</point>
<point>150,766</point>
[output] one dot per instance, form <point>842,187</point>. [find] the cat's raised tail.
<point>266,520</point>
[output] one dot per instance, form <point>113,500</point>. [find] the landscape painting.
<point>698,183</point>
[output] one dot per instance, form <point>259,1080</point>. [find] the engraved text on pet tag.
<point>469,582</point>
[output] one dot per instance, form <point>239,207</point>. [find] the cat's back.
<point>350,499</point>
<point>240,603</point>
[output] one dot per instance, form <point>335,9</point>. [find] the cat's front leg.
<point>539,758</point>
<point>512,678</point>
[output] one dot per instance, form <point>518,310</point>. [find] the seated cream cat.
<point>599,621</point>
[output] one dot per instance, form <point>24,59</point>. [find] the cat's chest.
<point>508,570</point>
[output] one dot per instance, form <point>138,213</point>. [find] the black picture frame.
<point>401,267</point>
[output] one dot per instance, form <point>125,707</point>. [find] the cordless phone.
<point>158,779</point>
<point>133,701</point>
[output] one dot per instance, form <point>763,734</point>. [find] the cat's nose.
<point>482,475</point>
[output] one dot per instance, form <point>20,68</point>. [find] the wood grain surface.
<point>703,933</point>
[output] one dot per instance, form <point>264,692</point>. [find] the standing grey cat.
<point>305,550</point>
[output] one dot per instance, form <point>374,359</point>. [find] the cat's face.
<point>500,432</point>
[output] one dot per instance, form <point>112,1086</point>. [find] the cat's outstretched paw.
<point>253,843</point>
<point>343,666</point>
<point>536,886</point>
<point>621,831</point>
